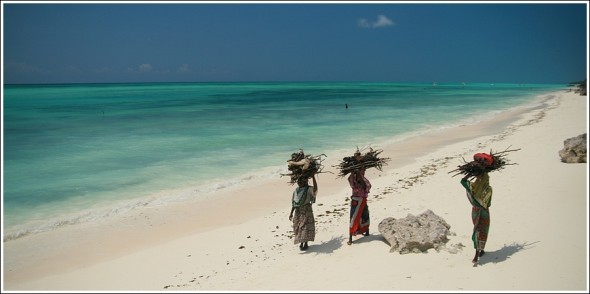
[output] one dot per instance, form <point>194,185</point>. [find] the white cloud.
<point>382,21</point>
<point>363,23</point>
<point>145,67</point>
<point>184,69</point>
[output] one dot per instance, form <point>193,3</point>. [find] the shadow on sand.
<point>325,247</point>
<point>504,253</point>
<point>337,242</point>
<point>365,239</point>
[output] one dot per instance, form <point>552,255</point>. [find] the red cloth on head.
<point>484,157</point>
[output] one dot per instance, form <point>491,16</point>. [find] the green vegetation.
<point>580,87</point>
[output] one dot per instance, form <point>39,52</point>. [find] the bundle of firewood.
<point>358,160</point>
<point>303,165</point>
<point>483,162</point>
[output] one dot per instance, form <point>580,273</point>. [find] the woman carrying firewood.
<point>303,220</point>
<point>479,194</point>
<point>359,210</point>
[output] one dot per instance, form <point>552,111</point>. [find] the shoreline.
<point>175,226</point>
<point>155,199</point>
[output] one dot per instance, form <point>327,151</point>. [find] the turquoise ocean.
<point>77,153</point>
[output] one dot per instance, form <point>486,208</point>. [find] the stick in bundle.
<point>369,160</point>
<point>483,162</point>
<point>302,165</point>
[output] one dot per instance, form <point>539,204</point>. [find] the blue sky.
<point>217,42</point>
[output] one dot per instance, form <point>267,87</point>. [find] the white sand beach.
<point>241,241</point>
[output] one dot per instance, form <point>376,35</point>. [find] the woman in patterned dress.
<point>301,205</point>
<point>479,194</point>
<point>359,210</point>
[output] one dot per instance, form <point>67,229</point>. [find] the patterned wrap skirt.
<point>303,224</point>
<point>359,216</point>
<point>481,226</point>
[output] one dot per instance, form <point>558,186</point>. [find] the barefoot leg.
<point>475,258</point>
